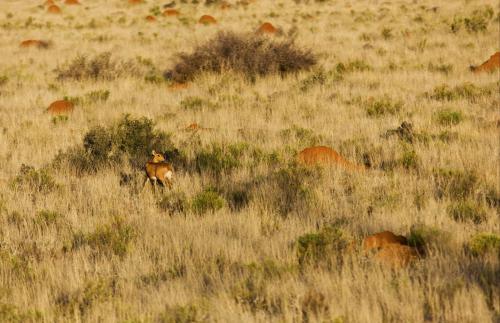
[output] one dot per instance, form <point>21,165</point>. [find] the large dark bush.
<point>249,54</point>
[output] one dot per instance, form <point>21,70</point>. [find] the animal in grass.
<point>158,170</point>
<point>493,63</point>
<point>321,155</point>
<point>381,239</point>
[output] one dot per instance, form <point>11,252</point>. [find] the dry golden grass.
<point>246,235</point>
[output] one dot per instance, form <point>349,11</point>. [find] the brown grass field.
<point>247,234</point>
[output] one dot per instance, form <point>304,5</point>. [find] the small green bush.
<point>382,106</point>
<point>467,91</point>
<point>484,243</point>
<point>409,159</point>
<point>467,211</point>
<point>207,201</point>
<point>174,203</point>
<point>60,119</point>
<point>305,137</point>
<point>217,159</point>
<point>321,247</point>
<point>478,21</point>
<point>48,217</point>
<point>455,184</point>
<point>83,299</point>
<point>38,180</point>
<point>110,239</point>
<point>424,237</point>
<point>449,117</point>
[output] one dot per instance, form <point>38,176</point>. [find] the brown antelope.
<point>157,169</point>
<point>321,155</point>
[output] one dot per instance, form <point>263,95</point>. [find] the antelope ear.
<point>153,152</point>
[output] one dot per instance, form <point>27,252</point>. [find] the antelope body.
<point>158,170</point>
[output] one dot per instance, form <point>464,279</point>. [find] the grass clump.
<point>48,217</point>
<point>218,159</point>
<point>110,239</point>
<point>30,178</point>
<point>467,211</point>
<point>478,21</point>
<point>484,243</point>
<point>11,313</point>
<point>249,54</point>
<point>425,237</point>
<point>174,203</point>
<point>83,299</point>
<point>100,67</point>
<point>409,159</point>
<point>449,117</point>
<point>467,91</point>
<point>383,106</point>
<point>321,247</point>
<point>207,201</point>
<point>130,138</point>
<point>455,184</point>
<point>180,314</point>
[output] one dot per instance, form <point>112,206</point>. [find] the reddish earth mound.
<point>60,107</point>
<point>71,2</point>
<point>207,20</point>
<point>178,86</point>
<point>490,65</point>
<point>397,255</point>
<point>381,239</point>
<point>151,18</point>
<point>391,249</point>
<point>170,13</point>
<point>321,155</point>
<point>34,43</point>
<point>267,28</point>
<point>54,9</point>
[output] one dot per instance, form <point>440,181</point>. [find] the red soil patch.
<point>34,43</point>
<point>267,28</point>
<point>381,239</point>
<point>207,20</point>
<point>178,86</point>
<point>490,65</point>
<point>151,18</point>
<point>321,155</point>
<point>171,13</point>
<point>71,2</point>
<point>135,1</point>
<point>54,9</point>
<point>60,107</point>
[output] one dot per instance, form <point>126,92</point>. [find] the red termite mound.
<point>207,20</point>
<point>151,18</point>
<point>71,2</point>
<point>34,43</point>
<point>60,107</point>
<point>490,65</point>
<point>170,13</point>
<point>321,155</point>
<point>54,9</point>
<point>267,28</point>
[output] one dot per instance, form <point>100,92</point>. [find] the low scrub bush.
<point>467,211</point>
<point>99,67</point>
<point>454,184</point>
<point>484,243</point>
<point>174,203</point>
<point>218,159</point>
<point>382,106</point>
<point>251,55</point>
<point>323,247</point>
<point>30,178</point>
<point>424,237</point>
<point>209,200</point>
<point>83,299</point>
<point>48,217</point>
<point>11,313</point>
<point>467,91</point>
<point>449,117</point>
<point>478,21</point>
<point>181,314</point>
<point>131,139</point>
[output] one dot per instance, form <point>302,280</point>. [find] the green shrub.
<point>467,91</point>
<point>484,243</point>
<point>449,117</point>
<point>424,237</point>
<point>478,21</point>
<point>173,203</point>
<point>110,239</point>
<point>251,55</point>
<point>467,211</point>
<point>83,299</point>
<point>207,201</point>
<point>180,314</point>
<point>409,159</point>
<point>38,180</point>
<point>321,247</point>
<point>130,138</point>
<point>217,159</point>
<point>455,184</point>
<point>382,106</point>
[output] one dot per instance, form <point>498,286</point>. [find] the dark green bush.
<point>252,55</point>
<point>207,201</point>
<point>484,243</point>
<point>323,247</point>
<point>455,184</point>
<point>467,211</point>
<point>30,178</point>
<point>217,159</point>
<point>130,139</point>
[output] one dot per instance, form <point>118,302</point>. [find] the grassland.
<point>246,234</point>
